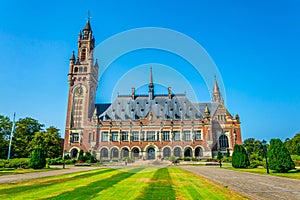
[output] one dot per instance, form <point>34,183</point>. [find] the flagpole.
<point>11,135</point>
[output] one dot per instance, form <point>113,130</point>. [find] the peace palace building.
<point>146,126</point>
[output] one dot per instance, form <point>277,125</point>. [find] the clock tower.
<point>83,80</point>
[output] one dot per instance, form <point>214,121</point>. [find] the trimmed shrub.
<point>89,158</point>
<point>240,157</point>
<point>15,163</point>
<point>38,158</point>
<point>187,159</point>
<point>279,157</point>
<point>219,156</point>
<point>195,159</point>
<point>81,157</point>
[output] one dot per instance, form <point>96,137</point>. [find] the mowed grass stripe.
<point>160,187</point>
<point>91,190</point>
<point>43,182</point>
<point>191,186</point>
<point>129,188</point>
<point>58,186</point>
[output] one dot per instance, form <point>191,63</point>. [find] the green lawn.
<point>291,174</point>
<point>126,183</point>
<point>7,171</point>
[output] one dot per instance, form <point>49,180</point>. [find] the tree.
<point>5,129</point>
<point>293,145</point>
<point>219,156</point>
<point>50,140</point>
<point>240,157</point>
<point>25,130</point>
<point>38,158</point>
<point>253,146</point>
<point>279,157</point>
<point>81,157</point>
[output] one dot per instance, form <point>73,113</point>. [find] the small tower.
<point>151,86</point>
<point>217,94</point>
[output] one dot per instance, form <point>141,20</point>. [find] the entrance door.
<point>151,153</point>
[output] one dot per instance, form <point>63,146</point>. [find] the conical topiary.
<point>279,157</point>
<point>240,157</point>
<point>38,158</point>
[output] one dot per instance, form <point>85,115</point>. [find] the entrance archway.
<point>125,152</point>
<point>188,152</point>
<point>135,153</point>
<point>74,153</point>
<point>198,152</point>
<point>151,153</point>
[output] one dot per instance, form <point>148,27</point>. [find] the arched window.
<point>166,152</point>
<point>114,153</point>
<point>177,152</point>
<point>83,54</point>
<point>76,69</point>
<point>124,152</point>
<point>223,142</point>
<point>104,153</point>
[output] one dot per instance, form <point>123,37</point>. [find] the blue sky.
<point>254,44</point>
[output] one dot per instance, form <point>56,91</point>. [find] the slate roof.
<point>179,106</point>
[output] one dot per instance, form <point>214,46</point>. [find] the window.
<point>104,136</point>
<point>186,135</point>
<point>142,133</point>
<point>177,152</point>
<point>114,135</point>
<point>90,137</point>
<point>197,135</point>
<point>223,142</point>
<point>176,135</point>
<point>83,54</point>
<point>150,135</point>
<point>135,136</point>
<point>75,137</point>
<point>166,152</point>
<point>166,135</point>
<point>124,136</point>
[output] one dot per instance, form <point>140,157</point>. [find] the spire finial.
<point>89,15</point>
<point>151,86</point>
<point>151,77</point>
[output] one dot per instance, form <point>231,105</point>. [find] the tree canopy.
<point>293,145</point>
<point>28,134</point>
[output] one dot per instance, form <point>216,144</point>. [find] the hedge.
<point>15,163</point>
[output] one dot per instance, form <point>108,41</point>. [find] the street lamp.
<point>264,144</point>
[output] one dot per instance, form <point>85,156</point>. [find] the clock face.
<point>79,91</point>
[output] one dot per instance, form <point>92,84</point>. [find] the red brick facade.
<point>144,127</point>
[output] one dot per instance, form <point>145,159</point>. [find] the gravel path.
<point>32,175</point>
<point>254,186</point>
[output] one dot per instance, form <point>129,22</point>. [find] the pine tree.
<point>38,158</point>
<point>279,157</point>
<point>240,157</point>
<point>81,157</point>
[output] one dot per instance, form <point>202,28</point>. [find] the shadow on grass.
<point>50,182</point>
<point>160,187</point>
<point>90,191</point>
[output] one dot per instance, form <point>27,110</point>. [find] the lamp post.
<point>264,144</point>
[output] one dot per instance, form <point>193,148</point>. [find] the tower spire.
<point>151,85</point>
<point>216,93</point>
